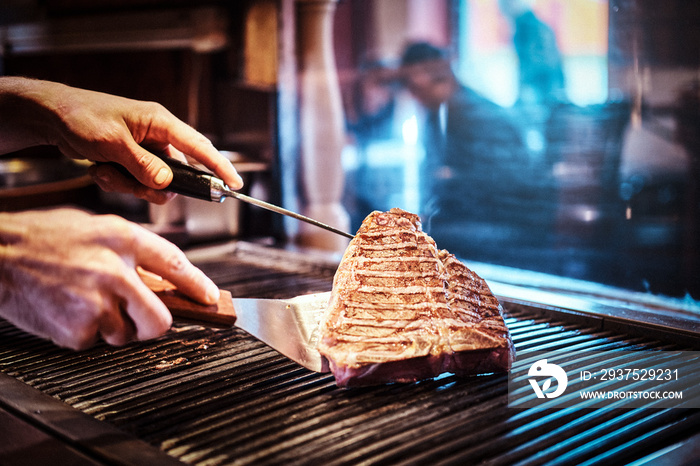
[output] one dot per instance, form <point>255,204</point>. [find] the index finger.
<point>191,142</point>
<point>158,255</point>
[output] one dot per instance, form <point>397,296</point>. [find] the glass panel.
<point>549,135</point>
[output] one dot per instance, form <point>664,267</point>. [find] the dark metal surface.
<point>218,396</point>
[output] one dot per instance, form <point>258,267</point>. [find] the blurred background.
<point>555,136</point>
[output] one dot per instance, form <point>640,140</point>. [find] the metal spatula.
<point>290,326</point>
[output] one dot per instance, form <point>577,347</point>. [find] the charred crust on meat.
<point>401,310</point>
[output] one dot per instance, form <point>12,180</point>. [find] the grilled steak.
<point>401,311</point>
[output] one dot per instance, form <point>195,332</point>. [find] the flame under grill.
<point>219,396</point>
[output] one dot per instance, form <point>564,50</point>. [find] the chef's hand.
<point>102,127</point>
<point>71,277</point>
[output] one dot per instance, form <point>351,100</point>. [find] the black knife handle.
<point>187,180</point>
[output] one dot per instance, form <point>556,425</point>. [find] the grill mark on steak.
<point>401,310</point>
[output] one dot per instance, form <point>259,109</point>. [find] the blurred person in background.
<point>370,115</point>
<point>540,72</point>
<point>473,152</point>
<point>370,112</point>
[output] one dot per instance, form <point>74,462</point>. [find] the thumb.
<point>148,168</point>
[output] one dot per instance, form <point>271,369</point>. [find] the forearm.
<point>91,125</point>
<point>4,240</point>
<point>27,115</point>
<point>12,232</point>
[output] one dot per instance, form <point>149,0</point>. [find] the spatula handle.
<point>181,306</point>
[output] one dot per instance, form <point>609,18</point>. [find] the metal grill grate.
<point>218,396</point>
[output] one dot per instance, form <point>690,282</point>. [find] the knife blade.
<point>192,182</point>
<point>290,326</point>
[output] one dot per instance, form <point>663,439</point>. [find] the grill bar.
<point>219,396</point>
